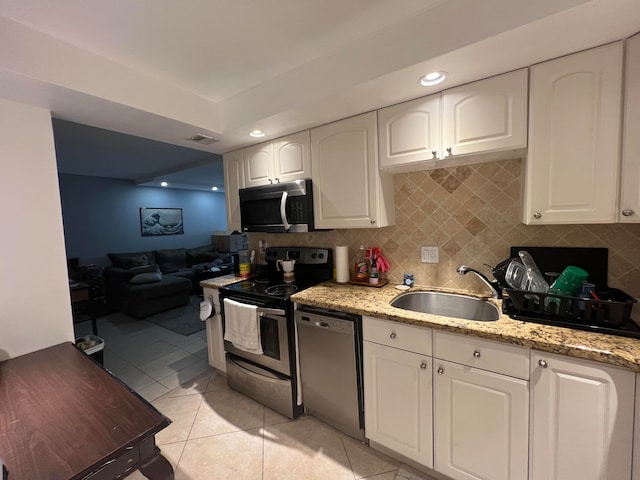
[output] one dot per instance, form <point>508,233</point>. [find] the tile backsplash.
<point>473,214</point>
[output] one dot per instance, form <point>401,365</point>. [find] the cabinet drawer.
<point>488,355</point>
<point>397,335</point>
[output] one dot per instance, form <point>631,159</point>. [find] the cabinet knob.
<point>423,365</point>
<point>270,180</point>
<point>542,363</point>
<point>476,354</point>
<point>435,154</point>
<point>537,215</point>
<point>277,180</point>
<point>440,370</point>
<point>627,212</point>
<point>393,335</point>
<point>449,152</point>
<point>372,221</point>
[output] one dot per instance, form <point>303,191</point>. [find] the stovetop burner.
<point>282,289</point>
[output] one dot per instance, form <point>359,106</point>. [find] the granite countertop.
<point>222,281</point>
<point>375,302</point>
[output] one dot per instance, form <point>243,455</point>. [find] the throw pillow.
<point>124,260</point>
<point>151,277</point>
<point>139,261</point>
<point>144,269</point>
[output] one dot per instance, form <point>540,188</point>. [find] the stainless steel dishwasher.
<point>330,350</point>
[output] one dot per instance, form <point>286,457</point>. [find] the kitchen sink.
<point>448,305</point>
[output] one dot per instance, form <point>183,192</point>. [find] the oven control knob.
<point>321,256</point>
<point>313,255</point>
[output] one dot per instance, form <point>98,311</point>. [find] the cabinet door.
<point>573,161</point>
<point>347,183</point>
<point>398,402</point>
<point>292,157</point>
<point>215,335</point>
<point>409,134</point>
<point>581,419</point>
<point>485,116</point>
<point>233,181</point>
<point>258,165</point>
<point>630,184</point>
<point>481,422</point>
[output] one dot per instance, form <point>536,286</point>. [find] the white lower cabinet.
<point>581,419</point>
<point>398,390</point>
<point>481,417</point>
<point>215,340</point>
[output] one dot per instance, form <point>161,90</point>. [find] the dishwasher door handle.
<point>322,324</point>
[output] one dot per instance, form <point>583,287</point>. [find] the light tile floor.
<point>150,359</point>
<point>218,433</point>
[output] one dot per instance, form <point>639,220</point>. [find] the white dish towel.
<point>242,326</point>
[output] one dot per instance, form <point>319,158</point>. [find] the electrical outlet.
<point>430,255</point>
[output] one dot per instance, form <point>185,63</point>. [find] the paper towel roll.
<point>342,263</point>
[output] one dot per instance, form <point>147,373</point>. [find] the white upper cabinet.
<point>484,120</point>
<point>284,159</point>
<point>581,419</point>
<point>485,116</point>
<point>629,210</point>
<point>258,165</point>
<point>349,189</point>
<point>233,181</point>
<point>292,157</point>
<point>573,162</point>
<point>409,134</point>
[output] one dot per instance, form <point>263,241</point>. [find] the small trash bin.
<point>92,346</point>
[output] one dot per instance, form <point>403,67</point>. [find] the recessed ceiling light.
<point>214,188</point>
<point>433,78</point>
<point>257,133</point>
<point>164,184</point>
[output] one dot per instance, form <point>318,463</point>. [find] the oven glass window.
<point>270,340</point>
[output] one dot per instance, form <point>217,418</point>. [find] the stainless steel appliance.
<point>272,377</point>
<point>607,311</point>
<point>331,367</point>
<point>277,208</point>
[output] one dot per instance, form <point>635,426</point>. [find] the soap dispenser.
<point>361,268</point>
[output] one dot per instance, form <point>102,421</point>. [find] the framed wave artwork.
<point>161,221</point>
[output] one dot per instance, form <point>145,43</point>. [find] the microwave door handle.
<point>283,212</point>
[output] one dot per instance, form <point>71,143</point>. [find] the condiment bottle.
<point>361,270</point>
<point>373,271</point>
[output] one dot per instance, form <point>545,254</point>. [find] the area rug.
<point>183,320</point>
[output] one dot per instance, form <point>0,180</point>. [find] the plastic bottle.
<point>361,270</point>
<point>373,271</point>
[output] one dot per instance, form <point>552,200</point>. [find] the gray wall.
<point>102,216</point>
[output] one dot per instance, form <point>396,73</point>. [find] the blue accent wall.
<point>102,215</point>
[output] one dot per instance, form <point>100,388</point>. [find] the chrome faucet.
<point>494,286</point>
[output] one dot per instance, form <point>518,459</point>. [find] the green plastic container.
<point>569,282</point>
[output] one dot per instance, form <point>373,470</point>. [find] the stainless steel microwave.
<point>277,208</point>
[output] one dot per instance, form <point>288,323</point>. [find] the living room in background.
<point>101,215</point>
<point>161,221</point>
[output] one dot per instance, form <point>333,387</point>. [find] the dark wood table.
<point>62,416</point>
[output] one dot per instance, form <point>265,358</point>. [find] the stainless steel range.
<point>259,328</point>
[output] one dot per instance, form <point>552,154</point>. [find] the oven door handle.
<point>283,211</point>
<point>271,311</point>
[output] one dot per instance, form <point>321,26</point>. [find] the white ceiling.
<point>164,70</point>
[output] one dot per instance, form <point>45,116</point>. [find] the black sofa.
<point>145,283</point>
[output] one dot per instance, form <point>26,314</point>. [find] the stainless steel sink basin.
<point>448,305</point>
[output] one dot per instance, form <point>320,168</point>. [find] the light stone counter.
<point>375,302</point>
<point>222,281</point>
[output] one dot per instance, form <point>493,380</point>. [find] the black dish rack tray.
<point>612,310</point>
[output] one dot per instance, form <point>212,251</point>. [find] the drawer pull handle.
<point>543,363</point>
<point>423,365</point>
<point>440,370</point>
<point>476,354</point>
<point>393,335</point>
